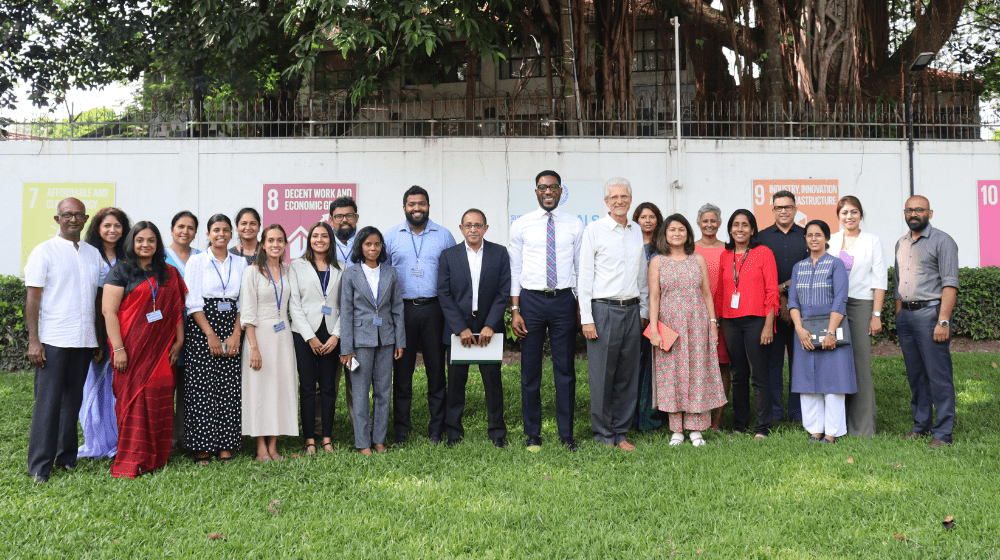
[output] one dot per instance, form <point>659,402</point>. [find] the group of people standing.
<point>244,339</point>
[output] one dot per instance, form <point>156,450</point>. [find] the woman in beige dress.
<point>270,406</point>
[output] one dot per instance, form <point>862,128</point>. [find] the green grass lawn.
<point>781,498</point>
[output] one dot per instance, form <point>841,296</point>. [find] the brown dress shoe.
<point>935,443</point>
<point>626,446</point>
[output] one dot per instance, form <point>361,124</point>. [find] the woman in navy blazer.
<point>371,317</point>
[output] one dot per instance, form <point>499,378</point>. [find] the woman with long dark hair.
<point>143,309</point>
<point>314,306</point>
<point>212,403</point>
<point>248,229</point>
<point>647,416</point>
<point>746,299</point>
<point>371,305</point>
<point>269,396</point>
<point>107,231</point>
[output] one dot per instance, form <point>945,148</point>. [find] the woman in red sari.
<point>143,308</point>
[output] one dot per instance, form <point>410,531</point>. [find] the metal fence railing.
<point>524,116</point>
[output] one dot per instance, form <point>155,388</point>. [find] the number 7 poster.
<point>39,202</point>
<point>989,223</point>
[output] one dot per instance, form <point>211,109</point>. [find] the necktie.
<point>550,253</point>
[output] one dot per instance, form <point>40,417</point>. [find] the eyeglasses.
<point>473,226</point>
<point>342,217</point>
<point>618,198</point>
<point>912,211</point>
<point>73,216</point>
<point>547,188</point>
<point>784,208</point>
<point>815,236</point>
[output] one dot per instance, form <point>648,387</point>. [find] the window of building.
<point>524,61</point>
<point>653,52</point>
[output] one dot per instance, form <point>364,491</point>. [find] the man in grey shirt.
<point>926,278</point>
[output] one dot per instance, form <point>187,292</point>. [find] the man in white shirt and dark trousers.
<point>61,277</point>
<point>614,308</point>
<point>473,289</point>
<point>544,258</point>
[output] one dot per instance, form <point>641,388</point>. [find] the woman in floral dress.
<point>687,380</point>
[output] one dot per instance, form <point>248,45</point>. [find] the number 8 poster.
<point>298,206</point>
<point>989,218</point>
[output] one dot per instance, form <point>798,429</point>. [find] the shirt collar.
<point>469,249</point>
<point>431,226</point>
<point>610,223</point>
<point>926,233</point>
<point>556,212</point>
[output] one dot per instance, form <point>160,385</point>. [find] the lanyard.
<point>375,291</point>
<point>325,282</point>
<point>282,279</point>
<point>736,275</point>
<point>225,283</point>
<point>153,288</point>
<point>415,250</point>
<point>345,258</point>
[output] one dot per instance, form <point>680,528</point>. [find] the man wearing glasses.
<point>926,277</point>
<point>344,219</point>
<point>787,241</point>
<point>61,277</point>
<point>544,262</point>
<point>473,288</point>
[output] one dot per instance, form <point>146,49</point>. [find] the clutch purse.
<point>817,330</point>
<point>667,335</point>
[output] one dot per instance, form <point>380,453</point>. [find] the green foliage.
<point>977,309</point>
<point>13,330</point>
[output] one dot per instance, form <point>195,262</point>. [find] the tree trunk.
<point>471,81</point>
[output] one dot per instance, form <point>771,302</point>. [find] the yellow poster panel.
<point>815,199</point>
<point>38,208</point>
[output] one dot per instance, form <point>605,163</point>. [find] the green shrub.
<point>13,328</point>
<point>977,310</point>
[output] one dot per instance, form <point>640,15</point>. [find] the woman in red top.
<point>746,298</point>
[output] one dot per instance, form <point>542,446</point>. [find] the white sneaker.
<point>677,438</point>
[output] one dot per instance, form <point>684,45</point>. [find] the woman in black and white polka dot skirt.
<point>212,378</point>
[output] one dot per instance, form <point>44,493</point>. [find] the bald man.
<point>926,276</point>
<point>61,277</point>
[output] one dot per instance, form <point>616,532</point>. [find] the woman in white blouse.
<point>212,386</point>
<point>862,254</point>
<point>314,281</point>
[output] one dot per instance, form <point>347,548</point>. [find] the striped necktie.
<point>550,253</point>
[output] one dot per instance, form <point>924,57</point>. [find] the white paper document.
<point>492,353</point>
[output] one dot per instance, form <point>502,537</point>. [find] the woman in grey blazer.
<point>314,308</point>
<point>371,312</point>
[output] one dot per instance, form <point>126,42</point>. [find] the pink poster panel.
<point>989,223</point>
<point>298,206</point>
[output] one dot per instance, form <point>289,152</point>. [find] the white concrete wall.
<point>154,179</point>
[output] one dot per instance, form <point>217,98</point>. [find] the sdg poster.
<point>39,203</point>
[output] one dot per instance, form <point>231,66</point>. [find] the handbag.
<point>667,335</point>
<point>817,325</point>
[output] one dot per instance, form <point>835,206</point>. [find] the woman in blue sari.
<point>107,232</point>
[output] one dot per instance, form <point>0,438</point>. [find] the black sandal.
<point>307,446</point>
<point>331,450</point>
<point>225,460</point>
<point>202,461</point>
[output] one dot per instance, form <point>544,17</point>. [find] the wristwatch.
<point>515,308</point>
<point>945,323</point>
<point>876,313</point>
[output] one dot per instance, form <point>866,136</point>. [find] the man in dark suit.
<point>473,289</point>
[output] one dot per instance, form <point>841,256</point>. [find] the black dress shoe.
<point>435,438</point>
<point>533,441</point>
<point>400,439</point>
<point>570,443</point>
<point>500,443</point>
<point>453,442</point>
<point>39,479</point>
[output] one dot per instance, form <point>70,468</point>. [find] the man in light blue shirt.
<point>414,248</point>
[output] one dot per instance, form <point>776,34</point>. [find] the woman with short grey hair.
<point>709,246</point>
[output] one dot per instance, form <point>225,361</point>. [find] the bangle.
<point>712,321</point>
<point>117,349</point>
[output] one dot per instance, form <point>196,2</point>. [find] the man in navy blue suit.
<point>473,289</point>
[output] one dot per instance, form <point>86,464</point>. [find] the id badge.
<point>224,305</point>
<point>417,272</point>
<point>735,303</point>
<point>327,310</point>
<point>377,321</point>
<point>280,326</point>
<point>154,316</point>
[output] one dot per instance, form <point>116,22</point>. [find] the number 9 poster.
<point>989,219</point>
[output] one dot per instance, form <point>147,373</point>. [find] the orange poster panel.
<point>816,200</point>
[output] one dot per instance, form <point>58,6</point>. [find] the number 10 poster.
<point>989,222</point>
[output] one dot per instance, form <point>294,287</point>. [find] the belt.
<point>915,305</point>
<point>420,300</point>
<point>549,292</point>
<point>617,302</point>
